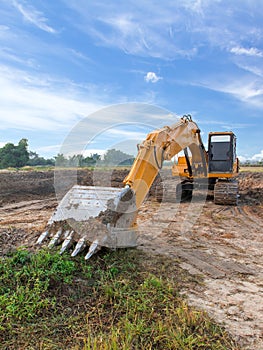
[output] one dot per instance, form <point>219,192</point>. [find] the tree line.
<point>17,156</point>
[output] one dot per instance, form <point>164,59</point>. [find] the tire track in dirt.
<point>26,212</point>
<point>247,217</point>
<point>225,247</point>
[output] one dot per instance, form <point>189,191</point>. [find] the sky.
<point>103,62</point>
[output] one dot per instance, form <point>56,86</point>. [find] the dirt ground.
<point>222,244</point>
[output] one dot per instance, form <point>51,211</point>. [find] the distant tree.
<point>91,160</point>
<point>96,157</point>
<point>75,160</point>
<point>14,156</point>
<point>50,161</point>
<point>117,157</point>
<point>35,160</point>
<point>61,160</point>
<point>6,156</point>
<point>22,154</point>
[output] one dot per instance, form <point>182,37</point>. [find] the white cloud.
<point>171,30</point>
<point>31,102</point>
<point>248,52</point>
<point>51,150</point>
<point>48,106</point>
<point>34,16</point>
<point>255,158</point>
<point>247,89</point>
<point>258,156</point>
<point>242,159</point>
<point>255,69</point>
<point>3,28</point>
<point>228,125</point>
<point>152,77</point>
<point>54,149</point>
<point>141,30</point>
<point>90,151</point>
<point>127,134</point>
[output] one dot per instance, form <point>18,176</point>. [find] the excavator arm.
<point>163,144</point>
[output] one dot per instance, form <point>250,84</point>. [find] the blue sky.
<point>62,61</point>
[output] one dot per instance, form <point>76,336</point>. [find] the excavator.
<point>106,216</point>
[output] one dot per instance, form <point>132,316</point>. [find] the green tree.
<point>76,160</point>
<point>35,159</point>
<point>14,156</point>
<point>61,160</point>
<point>91,160</point>
<point>117,157</point>
<point>22,154</point>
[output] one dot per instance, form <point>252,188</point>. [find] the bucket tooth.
<point>94,247</point>
<point>93,208</point>
<point>81,245</point>
<point>42,237</point>
<point>56,239</point>
<point>68,242</point>
<point>65,235</point>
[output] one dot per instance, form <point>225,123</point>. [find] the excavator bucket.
<point>94,217</point>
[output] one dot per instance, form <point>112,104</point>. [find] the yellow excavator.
<point>105,216</point>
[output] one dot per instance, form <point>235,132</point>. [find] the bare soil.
<point>221,244</point>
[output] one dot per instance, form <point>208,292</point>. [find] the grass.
<point>44,168</point>
<point>252,169</point>
<point>27,169</point>
<point>105,168</point>
<point>117,300</point>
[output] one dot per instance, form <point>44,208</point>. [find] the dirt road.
<point>222,244</point>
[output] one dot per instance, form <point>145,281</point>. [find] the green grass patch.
<point>118,300</point>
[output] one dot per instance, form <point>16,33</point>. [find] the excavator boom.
<point>164,144</point>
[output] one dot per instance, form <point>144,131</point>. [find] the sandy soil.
<point>222,244</point>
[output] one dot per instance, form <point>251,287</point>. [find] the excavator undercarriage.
<point>223,192</point>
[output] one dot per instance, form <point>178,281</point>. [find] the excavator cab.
<point>223,167</point>
<point>221,152</point>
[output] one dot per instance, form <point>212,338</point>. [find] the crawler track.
<point>226,193</point>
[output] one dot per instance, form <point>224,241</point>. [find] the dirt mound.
<point>251,186</point>
<point>30,185</point>
<point>21,185</point>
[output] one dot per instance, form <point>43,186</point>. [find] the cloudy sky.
<point>63,61</point>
